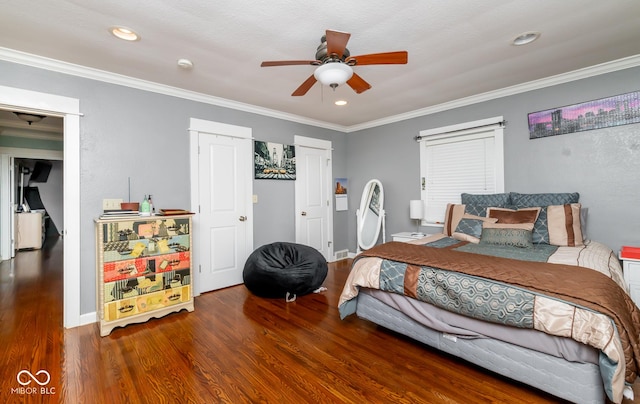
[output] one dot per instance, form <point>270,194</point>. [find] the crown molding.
<point>607,67</point>
<point>14,56</point>
<point>58,66</point>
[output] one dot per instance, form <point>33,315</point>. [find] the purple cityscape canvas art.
<point>618,110</point>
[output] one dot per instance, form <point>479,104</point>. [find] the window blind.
<point>466,161</point>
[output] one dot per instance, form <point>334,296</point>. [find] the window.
<point>460,158</point>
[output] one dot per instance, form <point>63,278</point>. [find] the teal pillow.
<point>477,204</point>
<point>472,227</point>
<point>521,238</point>
<point>541,227</point>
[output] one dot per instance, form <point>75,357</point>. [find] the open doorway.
<point>34,206</point>
<point>68,111</point>
<point>38,212</point>
<point>33,148</point>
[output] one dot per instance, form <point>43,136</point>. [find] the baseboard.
<point>342,255</point>
<point>88,318</point>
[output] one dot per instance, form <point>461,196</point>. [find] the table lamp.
<point>416,212</point>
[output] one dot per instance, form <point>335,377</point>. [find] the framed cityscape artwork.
<point>274,161</point>
<point>597,114</point>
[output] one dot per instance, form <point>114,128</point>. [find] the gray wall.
<point>132,133</point>
<point>602,165</point>
<point>143,135</point>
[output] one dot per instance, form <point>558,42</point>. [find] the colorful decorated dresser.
<point>143,269</point>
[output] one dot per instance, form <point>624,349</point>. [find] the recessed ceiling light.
<point>125,33</point>
<point>340,102</point>
<point>525,38</point>
<point>185,64</point>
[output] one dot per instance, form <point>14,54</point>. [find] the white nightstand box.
<point>631,269</point>
<point>407,236</point>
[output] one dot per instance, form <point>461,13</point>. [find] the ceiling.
<point>49,128</point>
<point>457,49</point>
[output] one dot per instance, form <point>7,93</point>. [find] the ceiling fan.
<point>335,64</point>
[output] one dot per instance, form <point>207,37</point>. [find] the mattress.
<point>576,381</point>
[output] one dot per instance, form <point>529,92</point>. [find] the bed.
<point>513,285</point>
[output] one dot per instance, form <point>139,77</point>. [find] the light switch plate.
<point>255,199</point>
<point>111,204</point>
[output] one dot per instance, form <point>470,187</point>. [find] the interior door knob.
<point>242,218</point>
<point>304,213</point>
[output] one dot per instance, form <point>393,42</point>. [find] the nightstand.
<point>409,236</point>
<point>631,270</point>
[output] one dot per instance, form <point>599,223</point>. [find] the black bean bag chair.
<point>284,269</point>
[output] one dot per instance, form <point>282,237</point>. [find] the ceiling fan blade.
<point>358,84</point>
<point>337,42</point>
<point>289,63</point>
<point>304,87</point>
<point>387,58</point>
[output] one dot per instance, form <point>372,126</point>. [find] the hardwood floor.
<point>234,348</point>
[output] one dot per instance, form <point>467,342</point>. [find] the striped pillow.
<point>564,225</point>
<point>452,217</point>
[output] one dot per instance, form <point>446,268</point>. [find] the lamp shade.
<point>333,74</point>
<point>416,209</point>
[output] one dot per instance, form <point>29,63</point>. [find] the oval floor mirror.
<point>370,215</point>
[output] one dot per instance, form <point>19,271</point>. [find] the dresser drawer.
<point>145,303</point>
<point>142,285</point>
<point>145,228</point>
<point>133,268</point>
<point>132,249</point>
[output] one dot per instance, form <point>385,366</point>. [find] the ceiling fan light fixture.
<point>333,74</point>
<point>340,103</point>
<point>29,118</point>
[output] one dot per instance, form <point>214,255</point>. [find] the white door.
<point>225,224</point>
<point>314,219</point>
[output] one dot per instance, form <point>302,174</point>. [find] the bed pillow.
<point>504,215</point>
<point>513,237</point>
<point>564,225</point>
<point>469,228</point>
<point>532,200</point>
<point>524,226</point>
<point>452,217</point>
<point>541,229</point>
<point>477,204</point>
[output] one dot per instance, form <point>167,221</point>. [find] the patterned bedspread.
<point>581,296</point>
